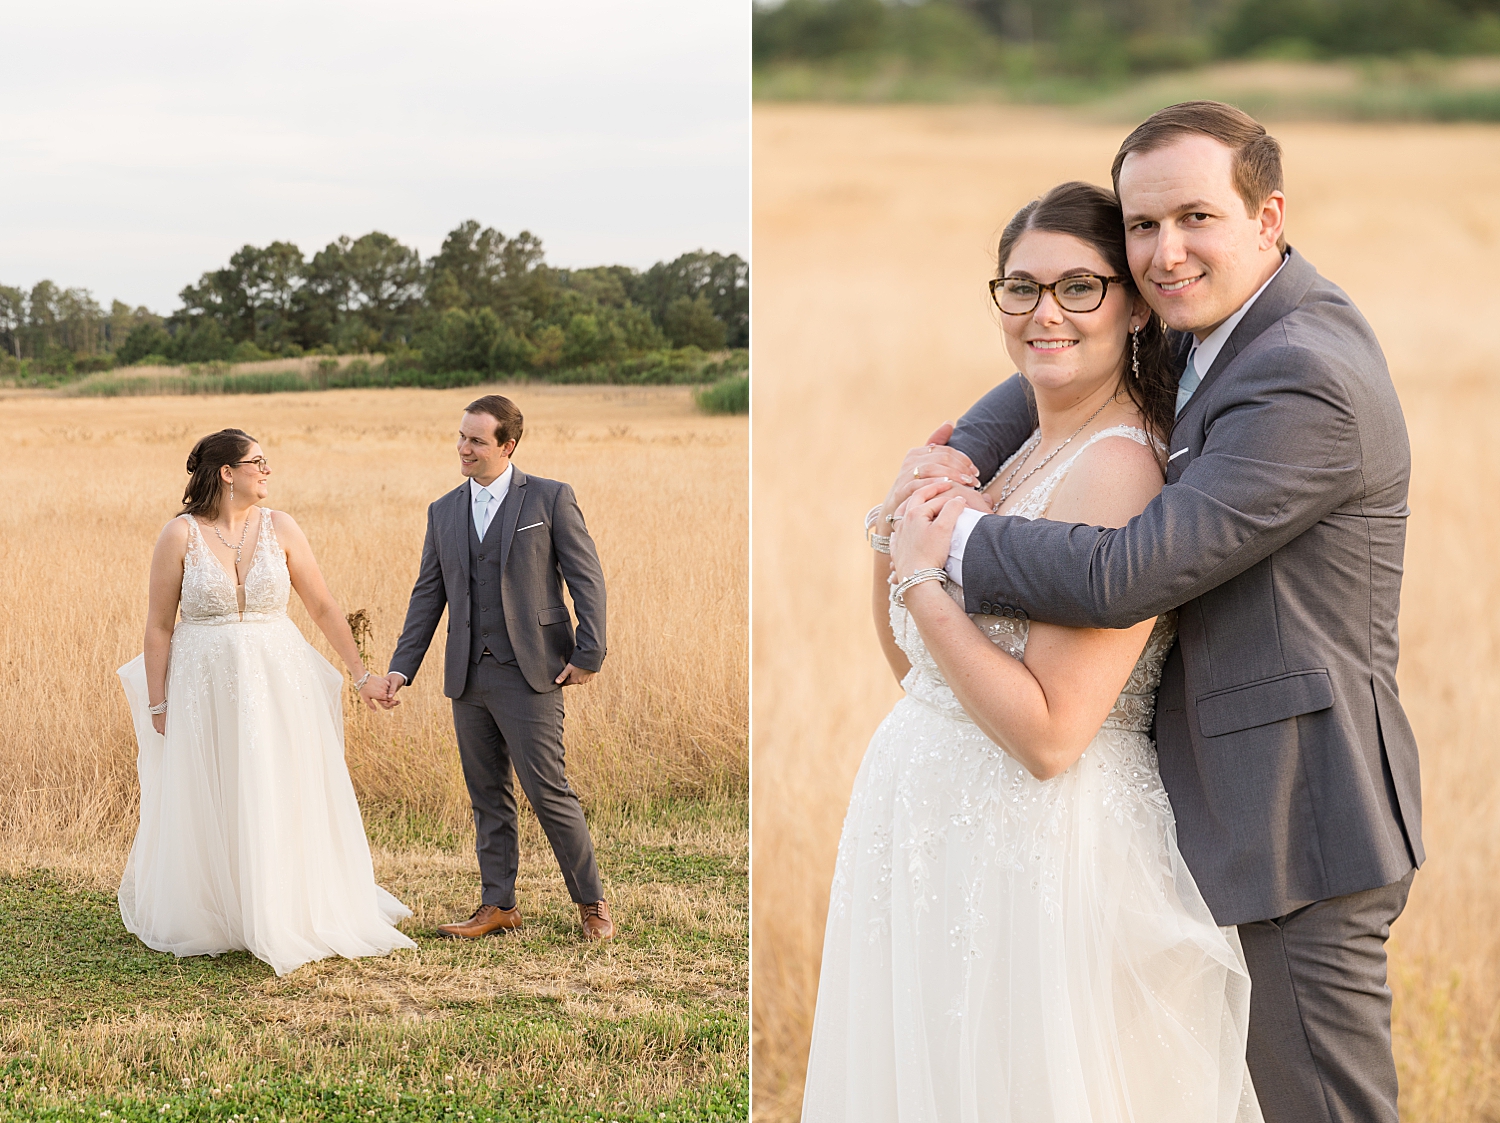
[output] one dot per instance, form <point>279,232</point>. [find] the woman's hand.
<point>373,694</point>
<point>923,533</point>
<point>934,462</point>
<point>159,723</point>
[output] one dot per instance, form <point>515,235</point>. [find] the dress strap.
<point>1035,504</point>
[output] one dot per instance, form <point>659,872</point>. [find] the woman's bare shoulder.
<point>1110,483</point>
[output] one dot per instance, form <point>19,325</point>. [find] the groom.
<point>1279,536</point>
<point>497,552</point>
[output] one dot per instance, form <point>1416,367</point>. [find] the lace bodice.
<point>1134,709</point>
<point>209,595</point>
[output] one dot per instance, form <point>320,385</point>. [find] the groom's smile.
<point>1197,249</point>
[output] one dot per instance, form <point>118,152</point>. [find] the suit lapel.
<point>458,513</point>
<point>511,513</point>
<point>1282,295</point>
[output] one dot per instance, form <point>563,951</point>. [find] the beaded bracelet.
<point>898,594</point>
<point>159,708</point>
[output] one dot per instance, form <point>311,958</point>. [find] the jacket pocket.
<point>1264,702</point>
<point>557,614</point>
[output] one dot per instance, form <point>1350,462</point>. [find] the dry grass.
<point>656,747</point>
<point>873,229</point>
<point>89,484</point>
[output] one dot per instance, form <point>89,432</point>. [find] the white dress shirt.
<point>1202,354</point>
<point>486,500</point>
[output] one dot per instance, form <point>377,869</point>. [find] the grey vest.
<point>486,609</point>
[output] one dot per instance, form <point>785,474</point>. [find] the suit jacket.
<point>543,543</point>
<point>1290,764</point>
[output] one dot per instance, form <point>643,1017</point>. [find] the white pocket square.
<point>528,526</point>
<point>1176,454</point>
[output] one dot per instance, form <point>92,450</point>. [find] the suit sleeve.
<point>995,426</point>
<point>1280,454</point>
<point>429,597</point>
<point>579,562</point>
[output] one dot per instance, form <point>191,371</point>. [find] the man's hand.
<point>390,682</point>
<point>573,676</point>
<point>935,464</point>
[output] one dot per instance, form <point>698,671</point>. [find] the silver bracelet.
<point>360,685</point>
<point>159,708</point>
<point>880,543</point>
<point>898,594</point>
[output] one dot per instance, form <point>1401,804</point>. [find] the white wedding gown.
<point>1011,950</point>
<point>250,834</point>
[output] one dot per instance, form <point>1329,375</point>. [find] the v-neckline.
<point>235,585</point>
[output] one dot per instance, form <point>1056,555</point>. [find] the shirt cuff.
<point>968,518</point>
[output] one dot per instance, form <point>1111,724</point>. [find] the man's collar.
<point>1205,353</point>
<point>496,485</point>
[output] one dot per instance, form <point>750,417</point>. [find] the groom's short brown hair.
<point>1257,157</point>
<point>508,421</point>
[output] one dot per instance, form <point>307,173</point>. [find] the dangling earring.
<point>1135,353</point>
<point>231,482</point>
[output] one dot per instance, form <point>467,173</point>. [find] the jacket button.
<point>1020,614</point>
<point>481,557</point>
<point>984,607</point>
<point>1007,610</point>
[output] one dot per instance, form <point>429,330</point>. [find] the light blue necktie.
<point>482,522</point>
<point>1188,383</point>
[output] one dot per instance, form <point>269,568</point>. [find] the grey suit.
<point>1282,743</point>
<point>509,636</point>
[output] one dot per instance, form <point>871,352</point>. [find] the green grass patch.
<point>538,1026</point>
<point>729,395</point>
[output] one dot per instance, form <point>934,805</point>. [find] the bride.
<point>1012,934</point>
<point>250,836</point>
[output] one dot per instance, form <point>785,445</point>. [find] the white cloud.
<point>144,143</point>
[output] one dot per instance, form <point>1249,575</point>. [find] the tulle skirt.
<point>250,835</point>
<point>1004,949</point>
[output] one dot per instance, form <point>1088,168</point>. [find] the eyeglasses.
<point>1082,292</point>
<point>261,464</point>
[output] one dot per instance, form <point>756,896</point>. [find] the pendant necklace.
<point>1007,489</point>
<point>246,530</point>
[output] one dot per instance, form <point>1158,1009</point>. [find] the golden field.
<point>656,747</point>
<point>874,230</point>
<point>89,485</point>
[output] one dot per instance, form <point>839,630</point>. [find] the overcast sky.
<point>141,144</point>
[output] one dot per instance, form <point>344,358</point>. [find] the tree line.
<point>484,302</point>
<point>1025,39</point>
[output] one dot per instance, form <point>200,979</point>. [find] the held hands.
<point>377,694</point>
<point>574,676</point>
<point>935,464</point>
<point>923,532</point>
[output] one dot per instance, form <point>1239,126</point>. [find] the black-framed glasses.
<point>1082,292</point>
<point>262,465</point>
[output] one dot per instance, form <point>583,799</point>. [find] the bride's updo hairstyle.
<point>205,488</point>
<point>1092,215</point>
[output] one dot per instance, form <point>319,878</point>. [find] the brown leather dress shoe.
<point>596,922</point>
<point>487,919</point>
